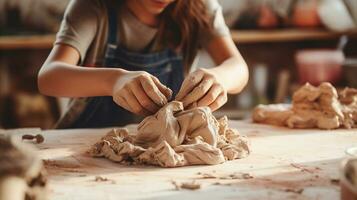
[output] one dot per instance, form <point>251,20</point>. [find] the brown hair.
<point>182,23</point>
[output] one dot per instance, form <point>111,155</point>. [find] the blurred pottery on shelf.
<point>317,66</point>
<point>352,7</point>
<point>267,18</point>
<point>335,15</point>
<point>305,14</point>
<point>350,71</point>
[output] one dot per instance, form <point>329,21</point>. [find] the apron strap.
<point>112,22</point>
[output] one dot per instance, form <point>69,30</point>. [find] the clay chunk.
<point>313,107</point>
<point>175,137</point>
<point>22,174</point>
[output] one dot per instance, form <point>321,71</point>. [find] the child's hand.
<point>140,92</point>
<point>202,87</point>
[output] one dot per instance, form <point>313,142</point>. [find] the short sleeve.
<point>79,25</point>
<point>219,27</point>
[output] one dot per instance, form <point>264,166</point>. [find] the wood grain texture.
<point>27,42</point>
<point>239,36</point>
<point>286,35</point>
<point>285,164</point>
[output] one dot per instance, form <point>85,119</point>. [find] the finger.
<point>134,103</point>
<point>152,91</point>
<point>188,84</point>
<point>165,90</point>
<point>219,102</point>
<point>198,92</point>
<point>143,98</point>
<point>211,95</point>
<point>122,102</point>
<point>191,106</point>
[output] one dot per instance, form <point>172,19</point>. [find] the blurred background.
<point>285,43</point>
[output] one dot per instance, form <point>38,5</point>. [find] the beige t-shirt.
<point>85,27</point>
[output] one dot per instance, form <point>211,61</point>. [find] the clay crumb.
<point>177,186</point>
<point>225,177</point>
<point>335,181</point>
<point>60,164</point>
<point>186,185</point>
<point>208,176</point>
<point>297,191</point>
<point>74,170</point>
<point>237,176</point>
<point>303,168</point>
<point>100,179</point>
<point>38,138</point>
<point>247,176</point>
<point>222,184</point>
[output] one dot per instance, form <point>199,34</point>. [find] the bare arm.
<point>209,87</point>
<point>232,71</point>
<point>61,77</point>
<point>138,92</point>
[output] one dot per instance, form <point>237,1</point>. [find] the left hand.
<point>201,88</point>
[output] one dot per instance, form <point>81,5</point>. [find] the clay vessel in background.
<point>335,15</point>
<point>305,14</point>
<point>350,72</point>
<point>317,66</point>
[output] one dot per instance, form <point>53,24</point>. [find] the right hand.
<point>140,93</point>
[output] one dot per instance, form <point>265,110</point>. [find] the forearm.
<point>233,74</point>
<point>60,79</point>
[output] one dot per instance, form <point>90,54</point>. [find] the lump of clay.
<point>21,172</point>
<point>350,171</point>
<point>313,107</point>
<point>272,114</point>
<point>175,137</point>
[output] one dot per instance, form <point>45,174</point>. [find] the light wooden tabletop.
<point>285,164</point>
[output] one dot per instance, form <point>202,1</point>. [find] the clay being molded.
<point>175,137</point>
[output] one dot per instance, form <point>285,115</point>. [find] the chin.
<point>155,11</point>
<point>156,6</point>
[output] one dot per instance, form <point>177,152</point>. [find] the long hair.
<point>182,24</point>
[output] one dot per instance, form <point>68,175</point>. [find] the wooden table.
<point>285,164</point>
<point>287,35</point>
<point>27,42</point>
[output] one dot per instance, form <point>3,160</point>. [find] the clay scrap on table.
<point>350,172</point>
<point>175,137</point>
<point>186,185</point>
<point>21,172</point>
<point>313,107</point>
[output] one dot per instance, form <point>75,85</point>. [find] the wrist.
<point>113,78</point>
<point>216,72</point>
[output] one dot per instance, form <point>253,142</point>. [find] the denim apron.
<point>166,65</point>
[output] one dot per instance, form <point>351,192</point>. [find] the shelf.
<point>239,36</point>
<point>27,42</point>
<point>286,35</point>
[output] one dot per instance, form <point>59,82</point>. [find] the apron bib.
<point>166,65</point>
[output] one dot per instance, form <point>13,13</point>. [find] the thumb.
<point>189,84</point>
<point>163,89</point>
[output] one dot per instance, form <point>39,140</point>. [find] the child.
<point>142,51</point>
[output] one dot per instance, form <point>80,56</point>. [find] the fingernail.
<point>163,102</point>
